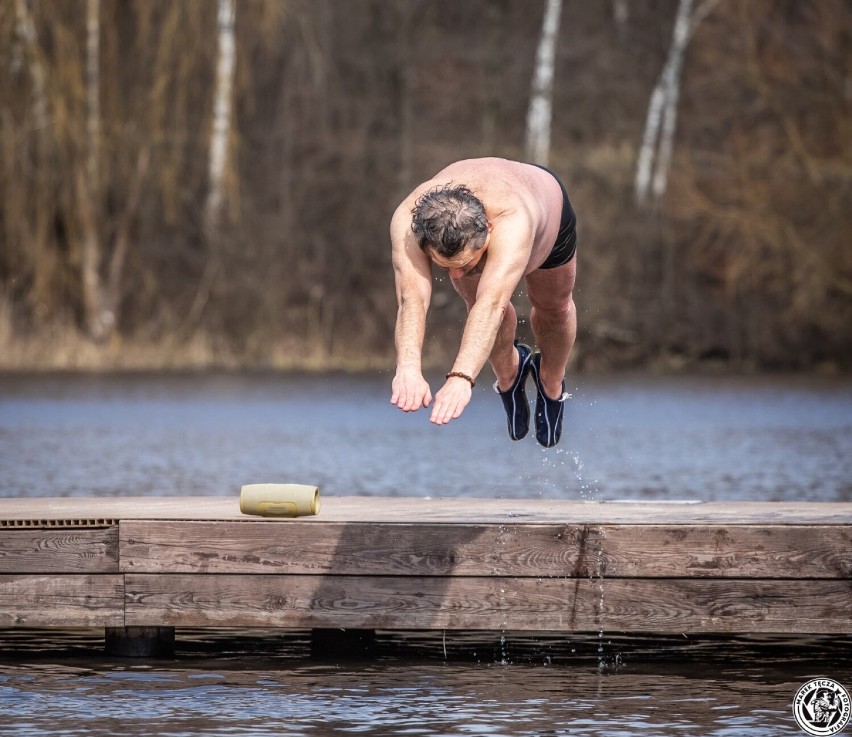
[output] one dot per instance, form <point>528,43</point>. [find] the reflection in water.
<point>625,438</point>
<point>225,684</point>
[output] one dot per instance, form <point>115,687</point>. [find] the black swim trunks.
<point>566,239</point>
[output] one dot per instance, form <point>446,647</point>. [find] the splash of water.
<point>504,651</point>
<point>598,578</point>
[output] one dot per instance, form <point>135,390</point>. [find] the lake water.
<point>626,437</point>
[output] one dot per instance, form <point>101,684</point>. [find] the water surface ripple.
<point>626,437</point>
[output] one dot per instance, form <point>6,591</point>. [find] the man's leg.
<point>504,357</point>
<point>554,321</point>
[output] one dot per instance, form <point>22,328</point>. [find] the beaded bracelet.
<point>460,375</point>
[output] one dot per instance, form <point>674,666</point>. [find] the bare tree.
<point>220,148</point>
<point>334,106</point>
<point>26,32</point>
<point>661,120</point>
<point>218,158</point>
<point>621,13</point>
<point>100,322</point>
<point>540,110</point>
<point>93,97</point>
<point>32,222</point>
<point>102,258</point>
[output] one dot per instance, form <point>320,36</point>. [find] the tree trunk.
<point>26,31</point>
<point>621,14</point>
<point>98,319</point>
<point>672,87</point>
<point>655,154</point>
<point>122,235</point>
<point>540,109</point>
<point>660,102</point>
<point>93,98</point>
<point>493,68</point>
<point>405,13</point>
<point>220,148</point>
<point>38,218</point>
<point>218,159</point>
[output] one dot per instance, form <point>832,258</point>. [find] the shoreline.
<point>58,351</point>
<point>361,367</point>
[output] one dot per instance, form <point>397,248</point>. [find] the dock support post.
<point>140,642</point>
<point>339,643</point>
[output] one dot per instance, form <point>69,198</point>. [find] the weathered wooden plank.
<point>375,602</point>
<point>62,601</point>
<point>352,549</point>
<point>739,551</point>
<point>633,551</point>
<point>480,603</point>
<point>732,605</point>
<point>59,551</point>
<point>423,510</point>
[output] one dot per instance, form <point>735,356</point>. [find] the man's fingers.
<point>449,405</point>
<point>398,397</point>
<point>444,411</point>
<point>441,418</point>
<point>421,399</point>
<point>410,398</point>
<point>447,414</point>
<point>412,405</point>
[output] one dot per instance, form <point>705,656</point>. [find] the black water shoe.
<point>548,412</point>
<point>515,398</point>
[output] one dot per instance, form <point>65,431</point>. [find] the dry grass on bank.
<point>63,348</point>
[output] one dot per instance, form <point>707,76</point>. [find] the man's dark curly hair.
<point>447,218</point>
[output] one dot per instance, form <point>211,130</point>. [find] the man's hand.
<point>410,390</point>
<point>451,400</point>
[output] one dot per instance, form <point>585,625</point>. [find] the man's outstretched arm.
<point>508,256</point>
<point>483,322</point>
<point>413,278</point>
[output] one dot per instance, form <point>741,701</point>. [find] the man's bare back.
<point>507,188</point>
<point>489,223</point>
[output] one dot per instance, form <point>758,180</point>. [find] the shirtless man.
<point>489,223</point>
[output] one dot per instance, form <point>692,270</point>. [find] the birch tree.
<point>218,157</point>
<point>652,167</point>
<point>540,111</point>
<point>220,149</point>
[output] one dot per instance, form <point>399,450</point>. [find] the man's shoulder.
<point>486,166</point>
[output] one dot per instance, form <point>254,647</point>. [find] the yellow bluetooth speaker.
<point>280,500</point>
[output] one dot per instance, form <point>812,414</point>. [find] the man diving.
<point>490,223</point>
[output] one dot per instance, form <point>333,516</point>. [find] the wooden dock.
<point>370,563</point>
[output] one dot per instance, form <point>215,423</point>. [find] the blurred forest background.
<point>209,182</point>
